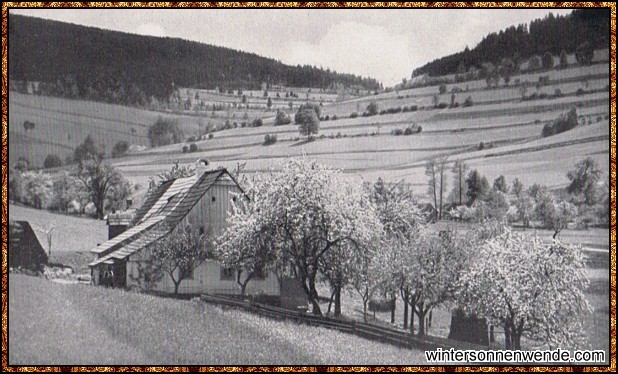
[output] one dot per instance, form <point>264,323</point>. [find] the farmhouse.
<point>25,250</point>
<point>202,201</point>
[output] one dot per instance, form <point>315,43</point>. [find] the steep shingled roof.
<point>174,201</point>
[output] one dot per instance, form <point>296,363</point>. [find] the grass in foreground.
<point>53,324</point>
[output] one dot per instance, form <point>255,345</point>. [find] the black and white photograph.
<point>309,187</point>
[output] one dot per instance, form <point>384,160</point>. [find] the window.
<point>213,199</point>
<point>227,274</point>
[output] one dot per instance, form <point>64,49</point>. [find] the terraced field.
<point>509,128</point>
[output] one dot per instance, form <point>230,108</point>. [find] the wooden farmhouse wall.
<point>211,212</point>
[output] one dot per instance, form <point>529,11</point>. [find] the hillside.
<point>54,324</point>
<point>552,34</point>
<point>509,127</point>
<point>89,63</point>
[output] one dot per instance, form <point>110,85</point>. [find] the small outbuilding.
<point>25,250</point>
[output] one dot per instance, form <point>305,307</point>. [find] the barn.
<point>202,201</point>
<point>25,250</point>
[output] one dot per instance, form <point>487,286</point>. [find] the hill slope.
<point>86,62</point>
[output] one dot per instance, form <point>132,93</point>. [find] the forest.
<point>554,34</point>
<point>88,63</point>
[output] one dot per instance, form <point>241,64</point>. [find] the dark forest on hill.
<point>89,63</point>
<point>583,28</point>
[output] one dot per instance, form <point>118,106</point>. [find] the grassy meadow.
<point>54,324</point>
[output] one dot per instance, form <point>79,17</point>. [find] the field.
<point>53,324</point>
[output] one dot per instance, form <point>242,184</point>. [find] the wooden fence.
<point>364,330</point>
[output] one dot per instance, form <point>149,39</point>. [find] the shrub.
<point>211,135</point>
<point>354,115</point>
<point>52,161</point>
<point>481,146</point>
<point>580,92</point>
<point>413,108</point>
<point>334,118</point>
<point>338,135</point>
<point>192,138</point>
<point>419,129</point>
<point>563,123</point>
<point>327,118</point>
<point>468,102</point>
<point>372,108</point>
<point>282,119</point>
<point>558,92</point>
<point>270,139</point>
<point>163,132</point>
<point>442,89</point>
<point>185,149</point>
<point>442,105</point>
<point>398,132</point>
<point>257,122</point>
<point>408,131</point>
<point>193,147</point>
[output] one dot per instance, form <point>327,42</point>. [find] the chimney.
<point>201,166</point>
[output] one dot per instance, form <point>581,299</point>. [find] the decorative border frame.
<point>5,11</point>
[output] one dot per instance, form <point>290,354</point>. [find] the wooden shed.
<point>202,201</point>
<point>25,250</point>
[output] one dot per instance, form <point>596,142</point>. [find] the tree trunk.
<point>330,302</point>
<point>492,337</point>
<point>314,298</point>
<point>507,335</point>
<point>516,338</point>
<point>421,318</point>
<point>176,286</point>
<point>365,301</point>
<point>393,307</point>
<point>412,311</point>
<point>338,301</point>
<point>405,311</point>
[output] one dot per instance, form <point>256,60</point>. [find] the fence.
<point>364,330</point>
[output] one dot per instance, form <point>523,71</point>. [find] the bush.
<point>408,131</point>
<point>163,132</point>
<point>481,146</point>
<point>193,147</point>
<point>563,123</point>
<point>468,102</point>
<point>442,89</point>
<point>185,149</point>
<point>52,161</point>
<point>548,130</point>
<point>442,105</point>
<point>397,132</point>
<point>372,108</point>
<point>580,92</point>
<point>282,119</point>
<point>257,122</point>
<point>558,92</point>
<point>338,135</point>
<point>270,139</point>
<point>211,135</point>
<point>327,118</point>
<point>192,138</point>
<point>354,115</point>
<point>334,118</point>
